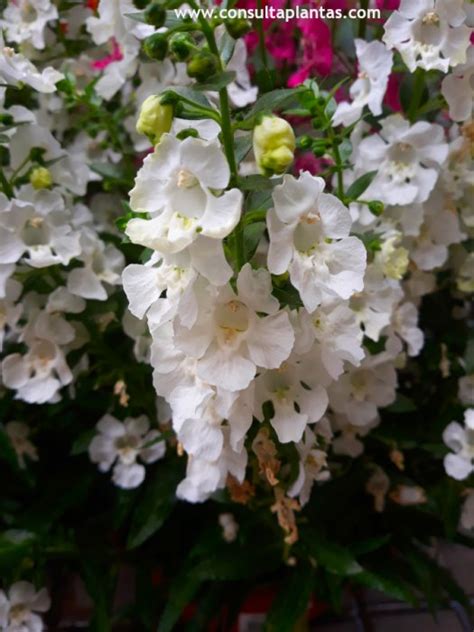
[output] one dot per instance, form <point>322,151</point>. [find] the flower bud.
<point>40,178</point>
<point>319,147</point>
<point>273,145</point>
<point>304,142</point>
<point>156,46</point>
<point>376,207</point>
<point>155,15</point>
<point>238,27</point>
<point>155,118</point>
<point>202,65</point>
<point>181,45</point>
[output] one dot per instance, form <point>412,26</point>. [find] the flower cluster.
<point>220,276</point>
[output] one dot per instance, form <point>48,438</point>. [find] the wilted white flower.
<point>18,433</point>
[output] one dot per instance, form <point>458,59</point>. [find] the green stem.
<point>6,186</point>
<point>227,138</point>
<point>19,168</point>
<point>418,87</point>
<point>263,50</point>
<point>338,163</point>
<point>364,4</point>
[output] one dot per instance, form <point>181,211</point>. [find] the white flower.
<point>241,91</point>
<point>121,444</point>
<point>18,434</point>
<point>10,310</point>
<point>19,606</point>
<point>112,24</point>
<point>38,230</point>
<point>309,237</point>
<point>405,324</point>
<point>336,330</point>
<point>296,396</point>
<point>177,186</point>
<point>373,306</point>
<point>144,284</point>
<point>203,477</point>
<point>375,65</point>
<point>42,371</point>
<point>361,391</point>
<point>229,338</point>
<point>406,159</point>
<point>26,21</point>
<point>103,263</point>
<point>458,89</point>
<point>16,68</point>
<point>460,463</point>
<point>347,440</point>
<point>429,34</point>
<point>312,467</point>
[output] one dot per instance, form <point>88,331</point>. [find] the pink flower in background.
<point>115,55</point>
<point>308,162</point>
<point>317,51</point>
<point>392,96</point>
<point>388,5</point>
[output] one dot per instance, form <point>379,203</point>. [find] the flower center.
<point>232,319</point>
<point>18,614</point>
<point>185,179</point>
<point>127,448</point>
<point>431,18</point>
<point>28,12</point>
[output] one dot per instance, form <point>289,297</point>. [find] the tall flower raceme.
<point>249,297</point>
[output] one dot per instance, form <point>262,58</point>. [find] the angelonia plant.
<point>236,273</point>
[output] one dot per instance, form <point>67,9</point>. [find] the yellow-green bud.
<point>273,145</point>
<point>155,119</point>
<point>40,178</point>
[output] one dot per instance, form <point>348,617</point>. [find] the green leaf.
<point>390,585</point>
<point>257,182</point>
<point>288,296</point>
<point>291,602</point>
<point>270,102</point>
<point>138,16</point>
<point>345,150</point>
<point>370,545</point>
<point>15,545</point>
<point>358,187</point>
<point>189,96</point>
<point>155,504</point>
<point>328,554</point>
<point>226,47</point>
<point>81,444</point>
<point>183,589</point>
<point>217,82</point>
<point>107,170</point>
<point>402,404</point>
<point>243,144</point>
<point>252,236</point>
